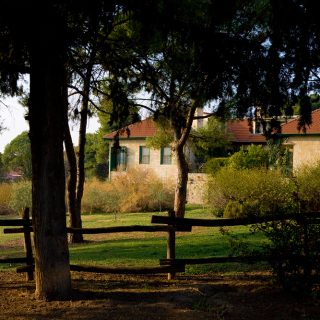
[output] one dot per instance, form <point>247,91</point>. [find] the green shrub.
<point>260,192</point>
<point>308,182</point>
<point>255,156</point>
<point>213,165</point>
<point>295,252</point>
<point>234,209</point>
<point>21,196</point>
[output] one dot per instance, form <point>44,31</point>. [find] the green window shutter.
<point>113,159</point>
<point>161,155</point>
<point>140,154</point>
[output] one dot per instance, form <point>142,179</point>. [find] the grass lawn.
<point>145,249</point>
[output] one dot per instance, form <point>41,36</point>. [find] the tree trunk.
<point>46,115</point>
<point>181,134</point>
<point>75,216</point>
<point>76,219</point>
<point>180,196</point>
<point>81,171</point>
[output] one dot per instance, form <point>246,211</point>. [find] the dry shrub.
<point>5,198</point>
<point>134,191</point>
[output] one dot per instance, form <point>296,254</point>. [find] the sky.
<point>12,117</point>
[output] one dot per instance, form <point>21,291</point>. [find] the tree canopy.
<point>183,54</point>
<point>17,155</point>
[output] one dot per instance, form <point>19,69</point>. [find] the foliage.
<point>210,140</point>
<point>280,157</point>
<point>213,165</point>
<point>96,156</point>
<point>21,196</point>
<point>137,190</point>
<point>243,192</point>
<point>295,253</point>
<point>163,136</point>
<point>179,71</point>
<point>2,167</point>
<point>308,184</point>
<point>17,155</point>
<point>255,156</point>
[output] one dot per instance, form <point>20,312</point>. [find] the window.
<point>257,127</point>
<point>118,159</point>
<point>165,155</point>
<point>144,155</point>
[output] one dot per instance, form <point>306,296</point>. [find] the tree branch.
<point>23,69</point>
<point>204,117</point>
<point>186,131</point>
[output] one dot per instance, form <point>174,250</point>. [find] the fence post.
<point>171,246</point>
<point>307,266</point>
<point>27,242</point>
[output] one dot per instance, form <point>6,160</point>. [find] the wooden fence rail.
<point>26,229</point>
<point>170,265</point>
<point>304,219</point>
<point>311,217</point>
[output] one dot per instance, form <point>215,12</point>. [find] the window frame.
<point>144,158</point>
<point>165,159</point>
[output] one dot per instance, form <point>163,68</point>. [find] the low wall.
<point>197,186</point>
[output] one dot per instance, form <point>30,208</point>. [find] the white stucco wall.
<point>167,172</point>
<point>164,171</point>
<point>306,150</point>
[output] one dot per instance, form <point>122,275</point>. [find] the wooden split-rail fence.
<point>168,224</point>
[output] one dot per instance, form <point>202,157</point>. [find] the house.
<point>244,133</point>
<point>305,147</point>
<point>132,151</point>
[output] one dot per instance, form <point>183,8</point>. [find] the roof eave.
<point>288,135</point>
<point>126,138</point>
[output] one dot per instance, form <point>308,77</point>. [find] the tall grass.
<point>5,198</point>
<point>135,191</point>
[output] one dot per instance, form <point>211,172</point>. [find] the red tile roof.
<point>142,129</point>
<point>291,127</point>
<point>240,132</point>
<point>146,128</point>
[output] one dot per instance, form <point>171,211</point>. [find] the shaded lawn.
<point>145,249</point>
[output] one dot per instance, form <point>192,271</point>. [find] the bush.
<point>254,157</point>
<point>308,183</point>
<point>21,196</point>
<point>295,252</point>
<point>133,191</point>
<point>251,192</point>
<point>213,165</point>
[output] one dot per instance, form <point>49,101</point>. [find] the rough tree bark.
<point>77,179</point>
<point>181,134</point>
<point>180,195</point>
<point>46,117</point>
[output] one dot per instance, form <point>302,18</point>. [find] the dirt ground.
<point>96,296</point>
